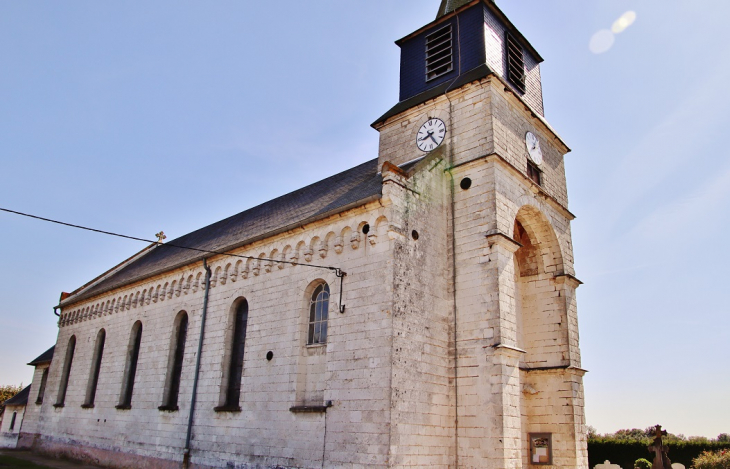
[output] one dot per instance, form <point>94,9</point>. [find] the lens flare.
<point>601,41</point>
<point>626,20</point>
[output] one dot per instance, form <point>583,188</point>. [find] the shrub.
<point>713,460</point>
<point>625,453</point>
<point>642,464</point>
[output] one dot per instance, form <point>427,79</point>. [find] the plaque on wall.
<point>541,449</point>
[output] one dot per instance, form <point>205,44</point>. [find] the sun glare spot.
<point>626,20</point>
<point>601,41</point>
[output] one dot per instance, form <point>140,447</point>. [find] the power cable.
<point>337,270</point>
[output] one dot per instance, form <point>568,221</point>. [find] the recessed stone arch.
<point>533,229</point>
<point>236,270</point>
<point>285,255</point>
<point>269,264</point>
<point>298,252</point>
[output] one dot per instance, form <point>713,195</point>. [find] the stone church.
<point>417,310</point>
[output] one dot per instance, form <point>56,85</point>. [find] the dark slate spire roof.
<point>337,193</point>
<point>19,399</point>
<point>447,6</point>
<point>44,357</point>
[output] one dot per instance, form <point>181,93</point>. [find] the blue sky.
<point>137,117</point>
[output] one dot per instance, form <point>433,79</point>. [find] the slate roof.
<point>350,188</point>
<point>19,399</point>
<point>44,357</point>
<point>447,6</point>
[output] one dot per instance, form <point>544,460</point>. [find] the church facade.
<point>416,310</point>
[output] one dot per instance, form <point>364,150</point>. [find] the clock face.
<point>431,134</point>
<point>533,148</point>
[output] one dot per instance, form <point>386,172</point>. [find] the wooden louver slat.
<point>439,55</point>
<point>515,63</point>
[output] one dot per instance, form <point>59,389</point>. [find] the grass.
<point>11,462</point>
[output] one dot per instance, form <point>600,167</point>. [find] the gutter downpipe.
<point>186,451</point>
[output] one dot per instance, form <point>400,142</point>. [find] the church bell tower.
<point>471,101</point>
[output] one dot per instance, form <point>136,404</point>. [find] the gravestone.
<point>607,465</point>
<point>677,465</point>
<point>660,450</point>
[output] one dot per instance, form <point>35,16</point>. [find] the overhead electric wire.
<point>337,270</point>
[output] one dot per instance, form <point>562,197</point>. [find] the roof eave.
<point>81,297</point>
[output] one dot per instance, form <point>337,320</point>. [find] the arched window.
<point>95,368</point>
<point>12,421</point>
<point>232,379</point>
<point>42,387</point>
<point>66,371</point>
<point>130,368</point>
<point>318,313</point>
<point>174,369</point>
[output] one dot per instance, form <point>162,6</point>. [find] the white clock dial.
<point>533,148</point>
<point>431,134</point>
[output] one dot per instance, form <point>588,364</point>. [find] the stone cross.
<point>661,460</point>
<point>160,236</point>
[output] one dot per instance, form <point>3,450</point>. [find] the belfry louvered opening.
<point>515,63</point>
<point>439,53</point>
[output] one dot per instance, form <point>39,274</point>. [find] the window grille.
<point>439,53</point>
<point>533,172</point>
<point>515,63</point>
<point>318,313</point>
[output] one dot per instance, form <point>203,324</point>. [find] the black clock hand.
<point>434,140</point>
<point>430,134</point>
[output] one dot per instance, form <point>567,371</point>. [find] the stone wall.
<point>265,432</point>
<point>422,394</point>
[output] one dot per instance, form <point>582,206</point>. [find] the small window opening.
<point>42,387</point>
<point>414,235</point>
<point>533,172</point>
<point>12,420</point>
<point>66,372</point>
<point>318,313</point>
<point>95,368</point>
<point>130,370</point>
<point>366,228</point>
<point>515,63</point>
<point>439,53</point>
<point>465,183</point>
<point>269,355</point>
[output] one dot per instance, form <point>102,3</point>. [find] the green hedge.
<point>625,453</point>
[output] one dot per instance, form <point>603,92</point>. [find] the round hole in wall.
<point>366,228</point>
<point>414,235</point>
<point>269,355</point>
<point>465,183</point>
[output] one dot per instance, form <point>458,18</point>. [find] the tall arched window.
<point>318,313</point>
<point>42,387</point>
<point>95,368</point>
<point>12,421</point>
<point>232,379</point>
<point>174,369</point>
<point>130,368</point>
<point>66,372</point>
